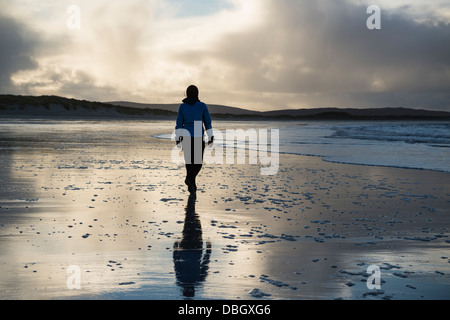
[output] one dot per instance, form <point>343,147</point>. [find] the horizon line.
<point>234,107</point>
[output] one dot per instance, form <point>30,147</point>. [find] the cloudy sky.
<point>255,54</point>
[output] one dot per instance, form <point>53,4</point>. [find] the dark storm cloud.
<point>320,47</point>
<point>18,45</point>
<point>326,46</point>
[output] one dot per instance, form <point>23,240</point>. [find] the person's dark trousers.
<point>193,150</point>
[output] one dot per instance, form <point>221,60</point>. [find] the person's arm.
<point>180,125</point>
<point>208,124</point>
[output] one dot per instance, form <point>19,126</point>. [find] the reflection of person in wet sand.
<point>191,262</point>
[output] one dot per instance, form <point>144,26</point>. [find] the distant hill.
<point>393,113</point>
<point>317,113</point>
<point>59,107</point>
<point>213,109</point>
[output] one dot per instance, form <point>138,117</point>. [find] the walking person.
<point>192,122</point>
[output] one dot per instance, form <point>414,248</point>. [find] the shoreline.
<point>257,123</point>
<point>325,159</point>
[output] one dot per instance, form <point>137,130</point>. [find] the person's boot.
<point>192,188</point>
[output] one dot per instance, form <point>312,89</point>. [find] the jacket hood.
<point>191,101</point>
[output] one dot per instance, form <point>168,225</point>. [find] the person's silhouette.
<point>190,259</point>
<point>191,113</point>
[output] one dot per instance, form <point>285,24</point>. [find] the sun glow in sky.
<point>256,54</point>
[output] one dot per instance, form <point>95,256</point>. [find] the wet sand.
<point>118,210</point>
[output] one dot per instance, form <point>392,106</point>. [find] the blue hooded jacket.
<point>191,112</point>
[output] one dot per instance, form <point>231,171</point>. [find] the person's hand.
<point>178,142</point>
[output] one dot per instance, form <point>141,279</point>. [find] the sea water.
<point>403,144</point>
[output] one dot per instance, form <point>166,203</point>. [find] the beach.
<point>102,204</point>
